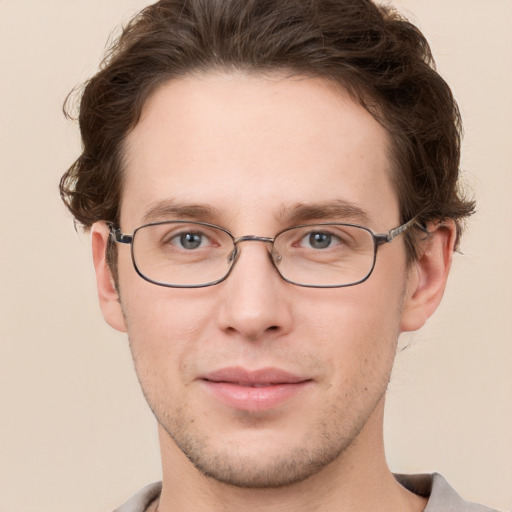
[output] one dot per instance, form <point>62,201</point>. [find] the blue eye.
<point>190,240</point>
<point>320,240</point>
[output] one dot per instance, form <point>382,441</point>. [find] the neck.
<point>358,479</point>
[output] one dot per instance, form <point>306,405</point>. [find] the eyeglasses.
<point>183,254</point>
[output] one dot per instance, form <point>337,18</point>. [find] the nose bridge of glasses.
<point>253,238</point>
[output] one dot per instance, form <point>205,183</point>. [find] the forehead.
<point>246,146</point>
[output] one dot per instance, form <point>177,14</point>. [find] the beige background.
<point>75,434</point>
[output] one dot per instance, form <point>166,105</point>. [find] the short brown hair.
<point>378,56</point>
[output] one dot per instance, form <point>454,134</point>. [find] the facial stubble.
<point>336,434</point>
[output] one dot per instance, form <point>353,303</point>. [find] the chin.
<point>254,472</point>
<point>260,458</point>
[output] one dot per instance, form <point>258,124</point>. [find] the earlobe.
<point>428,276</point>
<point>107,292</point>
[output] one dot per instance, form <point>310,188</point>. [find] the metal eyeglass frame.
<point>378,240</point>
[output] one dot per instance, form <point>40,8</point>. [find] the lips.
<point>257,390</point>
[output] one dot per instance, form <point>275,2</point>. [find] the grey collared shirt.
<point>441,496</point>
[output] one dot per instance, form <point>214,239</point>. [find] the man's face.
<point>260,382</point>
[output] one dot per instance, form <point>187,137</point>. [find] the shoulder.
<point>141,499</point>
<point>441,495</point>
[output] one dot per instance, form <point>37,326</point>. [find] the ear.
<point>107,292</point>
<point>428,276</point>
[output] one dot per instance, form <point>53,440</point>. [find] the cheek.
<point>356,330</point>
<point>165,328</point>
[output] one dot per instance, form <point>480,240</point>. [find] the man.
<point>271,188</point>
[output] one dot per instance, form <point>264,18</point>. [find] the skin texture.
<point>249,150</point>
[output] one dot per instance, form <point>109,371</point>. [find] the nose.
<point>256,302</point>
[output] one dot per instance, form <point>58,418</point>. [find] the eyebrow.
<point>338,210</point>
<point>169,209</point>
<point>298,213</point>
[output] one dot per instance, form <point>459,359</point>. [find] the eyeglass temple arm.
<point>119,237</point>
<point>392,233</point>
